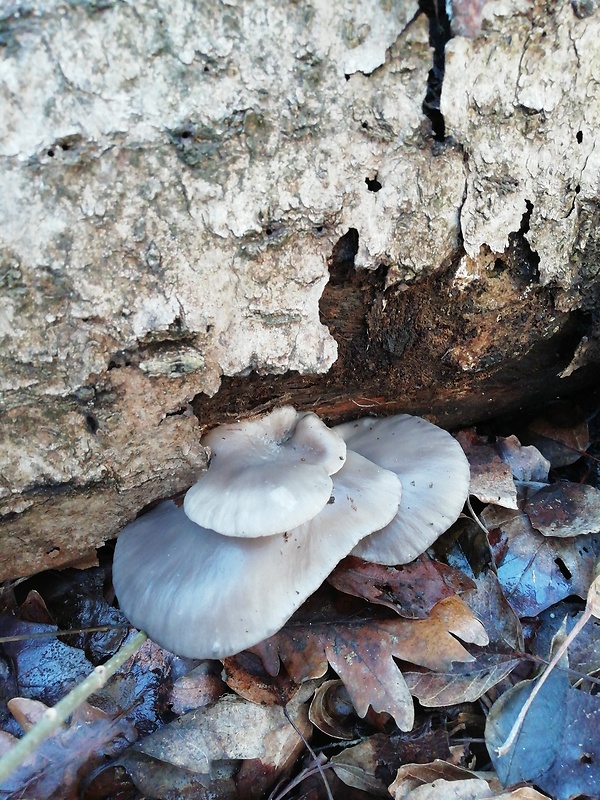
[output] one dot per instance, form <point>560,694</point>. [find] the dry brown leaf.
<point>411,590</point>
<point>232,728</point>
<point>489,604</point>
<point>561,435</point>
<point>471,789</point>
<point>491,478</point>
<point>364,766</point>
<point>361,649</point>
<point>208,742</point>
<point>246,675</point>
<point>332,712</point>
<point>465,683</point>
<point>411,776</point>
<point>372,764</point>
<point>200,687</point>
<point>443,781</point>
<point>526,463</point>
<point>565,509</point>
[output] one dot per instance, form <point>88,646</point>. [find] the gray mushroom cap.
<point>434,473</point>
<point>266,475</point>
<point>203,595</point>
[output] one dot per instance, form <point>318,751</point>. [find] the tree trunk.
<point>215,208</point>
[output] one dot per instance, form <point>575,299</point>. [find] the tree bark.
<point>214,208</point>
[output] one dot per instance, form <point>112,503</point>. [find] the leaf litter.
<point>446,630</point>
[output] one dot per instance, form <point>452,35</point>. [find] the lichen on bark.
<point>176,181</point>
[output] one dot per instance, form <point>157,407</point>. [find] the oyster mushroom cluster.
<point>284,500</point>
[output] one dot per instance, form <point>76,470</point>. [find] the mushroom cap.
<point>203,595</point>
<point>434,473</point>
<point>266,475</point>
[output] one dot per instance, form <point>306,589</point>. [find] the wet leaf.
<point>536,571</point>
<point>491,478</point>
<point>565,509</point>
<point>410,590</point>
<point>584,651</point>
<point>565,763</point>
<point>56,768</point>
<point>138,688</point>
<point>76,600</point>
<point>45,668</point>
<point>361,649</point>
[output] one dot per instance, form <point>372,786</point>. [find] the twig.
<point>475,518</point>
<point>307,772</point>
<point>54,717</point>
<point>21,637</point>
<point>311,751</point>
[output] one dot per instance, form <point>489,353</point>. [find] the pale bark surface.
<point>175,178</point>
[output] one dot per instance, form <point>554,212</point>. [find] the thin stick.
<point>476,519</point>
<point>23,637</point>
<point>54,717</point>
<point>318,764</point>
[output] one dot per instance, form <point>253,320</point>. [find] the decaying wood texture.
<point>211,209</point>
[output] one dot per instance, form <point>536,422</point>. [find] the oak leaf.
<point>411,590</point>
<point>361,647</point>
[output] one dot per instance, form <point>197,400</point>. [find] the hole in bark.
<point>347,77</point>
<point>186,134</point>
<point>579,137</point>
<point>51,153</point>
<point>577,189</point>
<point>564,570</point>
<point>439,34</point>
<point>179,412</point>
<point>373,184</point>
<point>92,423</point>
<point>341,263</point>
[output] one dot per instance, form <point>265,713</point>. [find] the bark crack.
<point>439,34</point>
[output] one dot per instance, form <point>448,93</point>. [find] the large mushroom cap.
<point>266,475</point>
<point>434,473</point>
<point>203,595</point>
